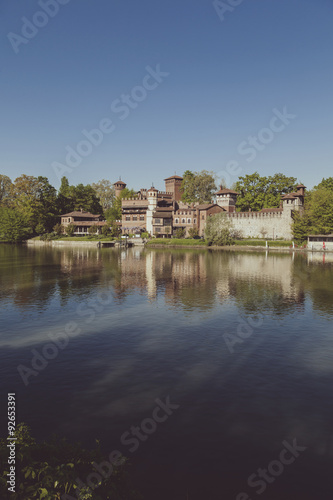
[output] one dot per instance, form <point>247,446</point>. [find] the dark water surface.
<point>241,342</point>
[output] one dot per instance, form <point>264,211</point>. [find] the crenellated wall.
<point>269,225</point>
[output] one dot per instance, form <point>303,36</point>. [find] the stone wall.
<point>262,224</point>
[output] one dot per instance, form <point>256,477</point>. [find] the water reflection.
<point>32,277</point>
<point>160,331</point>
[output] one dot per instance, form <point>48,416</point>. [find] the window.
<point>177,221</point>
<point>203,217</point>
<point>188,221</point>
<point>135,217</point>
<point>127,218</point>
<point>157,221</point>
<point>157,229</point>
<point>183,221</point>
<point>142,217</point>
<point>194,221</point>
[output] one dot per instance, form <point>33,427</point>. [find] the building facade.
<point>161,213</point>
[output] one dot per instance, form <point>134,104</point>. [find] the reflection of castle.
<point>161,213</point>
<point>203,279</point>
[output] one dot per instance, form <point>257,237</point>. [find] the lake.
<point>210,370</point>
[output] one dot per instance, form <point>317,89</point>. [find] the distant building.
<point>83,221</point>
<point>161,213</point>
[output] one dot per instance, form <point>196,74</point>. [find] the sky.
<point>143,90</point>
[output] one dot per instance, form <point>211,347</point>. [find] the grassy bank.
<point>262,243</point>
<point>176,242</point>
<point>76,238</point>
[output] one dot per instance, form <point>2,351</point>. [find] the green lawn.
<point>176,241</point>
<point>262,243</point>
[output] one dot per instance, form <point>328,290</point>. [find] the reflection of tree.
<point>188,279</point>
<point>317,280</point>
<point>31,276</point>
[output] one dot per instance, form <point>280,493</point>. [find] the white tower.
<point>152,204</point>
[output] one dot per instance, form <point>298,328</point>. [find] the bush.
<point>92,230</point>
<point>193,232</point>
<point>49,470</point>
<point>144,235</point>
<point>58,229</point>
<point>179,233</point>
<point>70,229</point>
<point>218,230</point>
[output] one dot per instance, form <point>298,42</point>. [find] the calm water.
<point>242,342</point>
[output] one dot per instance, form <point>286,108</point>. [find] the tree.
<point>193,232</point>
<point>35,198</point>
<point>198,187</point>
<point>71,198</point>
<point>92,230</point>
<point>58,229</point>
<point>70,229</point>
<point>258,192</point>
<point>218,230</point>
<point>13,226</point>
<point>317,217</point>
<point>114,213</point>
<point>105,192</point>
<point>5,190</point>
<point>180,233</point>
<point>326,183</point>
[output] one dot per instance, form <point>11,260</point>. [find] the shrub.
<point>218,230</point>
<point>193,232</point>
<point>180,233</point>
<point>70,229</point>
<point>58,229</point>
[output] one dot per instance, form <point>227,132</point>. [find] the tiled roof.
<point>79,214</point>
<point>173,177</point>
<point>90,223</point>
<point>226,191</point>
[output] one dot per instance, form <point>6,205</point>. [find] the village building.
<point>161,213</point>
<point>82,221</point>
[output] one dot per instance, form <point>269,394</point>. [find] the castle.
<point>161,213</point>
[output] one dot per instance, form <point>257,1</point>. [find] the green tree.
<point>114,213</point>
<point>92,230</point>
<point>317,217</point>
<point>71,198</point>
<point>326,183</point>
<point>13,226</point>
<point>180,233</point>
<point>257,192</point>
<point>198,187</point>
<point>70,229</point>
<point>58,229</point>
<point>218,230</point>
<point>35,198</point>
<point>193,232</point>
<point>5,190</point>
<point>105,192</point>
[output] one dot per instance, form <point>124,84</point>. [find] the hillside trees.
<point>5,189</point>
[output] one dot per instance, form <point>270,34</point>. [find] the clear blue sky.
<point>225,78</point>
